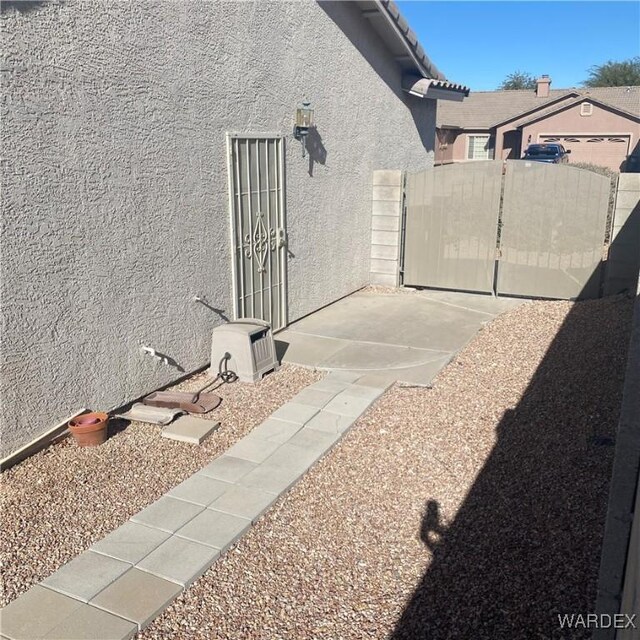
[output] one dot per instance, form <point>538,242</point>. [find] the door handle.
<point>282,237</point>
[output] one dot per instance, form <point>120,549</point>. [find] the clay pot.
<point>89,429</point>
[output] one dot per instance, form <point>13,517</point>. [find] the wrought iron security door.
<point>258,231</point>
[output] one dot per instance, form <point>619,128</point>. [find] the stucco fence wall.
<point>115,210</point>
<point>619,579</point>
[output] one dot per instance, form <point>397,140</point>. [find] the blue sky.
<point>479,43</point>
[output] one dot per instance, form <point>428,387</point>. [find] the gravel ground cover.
<point>60,501</point>
<point>474,509</point>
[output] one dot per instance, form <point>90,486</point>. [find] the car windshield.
<point>543,150</point>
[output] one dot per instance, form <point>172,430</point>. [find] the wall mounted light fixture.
<point>304,122</point>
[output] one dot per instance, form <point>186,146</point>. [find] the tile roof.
<point>484,109</point>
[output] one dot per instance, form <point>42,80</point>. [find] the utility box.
<point>250,343</point>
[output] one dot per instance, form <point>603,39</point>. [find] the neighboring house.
<point>132,218</point>
<point>599,125</point>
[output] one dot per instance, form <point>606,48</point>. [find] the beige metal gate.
<point>451,226</point>
<point>258,227</point>
<point>554,219</point>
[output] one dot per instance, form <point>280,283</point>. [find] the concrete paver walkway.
<point>125,580</point>
<point>402,337</point>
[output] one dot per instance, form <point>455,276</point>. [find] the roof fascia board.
<point>573,103</point>
<point>429,70</point>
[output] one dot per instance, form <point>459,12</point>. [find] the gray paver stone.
<point>199,489</point>
<point>253,449</point>
<point>272,479</point>
<point>137,596</point>
<point>296,413</point>
<point>168,514</point>
<point>348,405</point>
<point>154,415</point>
<point>330,422</point>
<point>96,624</point>
<point>314,397</point>
<point>85,576</point>
<point>228,468</point>
<point>275,430</point>
<point>36,612</point>
<point>315,440</point>
<point>131,542</point>
<point>215,529</point>
<point>190,429</point>
<point>179,560</point>
<point>289,456</point>
<point>246,502</point>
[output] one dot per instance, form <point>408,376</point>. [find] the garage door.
<point>605,151</point>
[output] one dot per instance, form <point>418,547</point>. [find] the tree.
<point>518,80</point>
<point>615,74</point>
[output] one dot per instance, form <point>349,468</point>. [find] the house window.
<point>586,109</point>
<point>479,148</point>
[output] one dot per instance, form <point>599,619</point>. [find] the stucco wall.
<point>115,180</point>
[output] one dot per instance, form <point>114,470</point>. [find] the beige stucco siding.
<point>115,203</point>
<point>603,123</point>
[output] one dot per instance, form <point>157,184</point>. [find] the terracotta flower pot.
<point>89,429</point>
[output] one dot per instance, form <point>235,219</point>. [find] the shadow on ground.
<point>525,545</point>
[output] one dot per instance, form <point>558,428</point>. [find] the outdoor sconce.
<point>304,122</point>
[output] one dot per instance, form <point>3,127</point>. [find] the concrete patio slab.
<point>489,305</point>
<point>400,337</point>
<point>91,622</point>
<point>167,514</point>
<point>86,575</point>
<point>363,391</point>
<point>375,381</point>
<point>35,613</point>
<point>215,529</point>
<point>228,468</point>
<point>131,542</point>
<point>199,489</point>
<point>297,347</point>
<point>245,502</point>
<point>179,560</point>
<point>371,355</point>
<point>329,384</point>
<point>137,596</point>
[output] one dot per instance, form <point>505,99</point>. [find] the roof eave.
<point>522,114</point>
<point>433,89</point>
<point>573,103</point>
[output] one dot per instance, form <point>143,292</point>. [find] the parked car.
<point>632,164</point>
<point>550,153</point>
